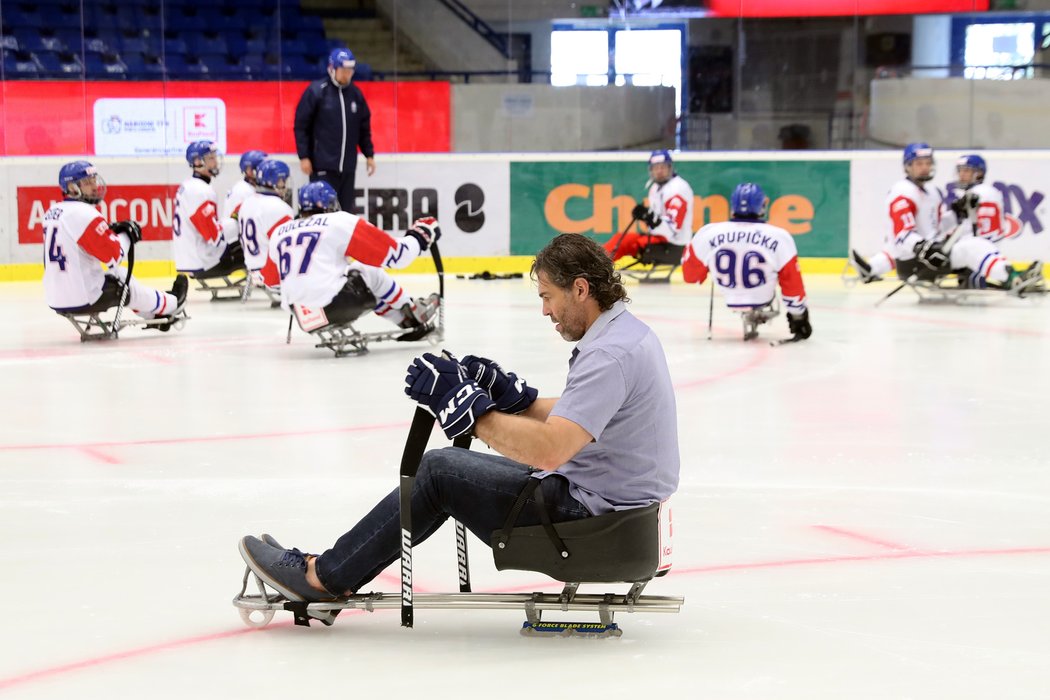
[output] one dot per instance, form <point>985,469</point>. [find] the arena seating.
<point>137,40</point>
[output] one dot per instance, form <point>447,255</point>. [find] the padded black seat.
<point>622,546</point>
<point>661,254</point>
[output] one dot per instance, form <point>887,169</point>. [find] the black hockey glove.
<point>799,325</point>
<point>931,256</point>
<point>964,205</point>
<point>508,390</point>
<point>642,213</point>
<point>440,384</point>
<point>426,231</point>
<point>129,228</point>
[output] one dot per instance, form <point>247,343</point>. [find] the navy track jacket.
<point>330,124</point>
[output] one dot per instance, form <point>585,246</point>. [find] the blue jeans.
<point>476,489</point>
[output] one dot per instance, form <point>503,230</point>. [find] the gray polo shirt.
<point>619,390</point>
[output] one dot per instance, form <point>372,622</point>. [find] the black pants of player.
<point>352,301</point>
<point>232,260</point>
<point>342,183</point>
<point>109,298</point>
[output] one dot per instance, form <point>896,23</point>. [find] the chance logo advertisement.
<point>150,126</point>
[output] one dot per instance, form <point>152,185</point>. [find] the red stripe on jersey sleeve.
<point>989,220</point>
<point>206,221</point>
<point>284,220</point>
<point>693,270</point>
<point>99,241</point>
<point>676,206</point>
<point>271,278</point>
<point>369,245</point>
<point>791,280</point>
<point>902,214</point>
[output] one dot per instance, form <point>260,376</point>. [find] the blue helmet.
<point>660,156</point>
<point>317,196</point>
<point>72,174</point>
<point>251,159</point>
<point>341,58</point>
<point>972,160</point>
<point>917,150</point>
<point>748,201</point>
<point>270,173</point>
<point>196,152</point>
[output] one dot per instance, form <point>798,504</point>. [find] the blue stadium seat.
<point>22,18</point>
<point>133,45</point>
<point>175,66</point>
<point>175,46</point>
<point>8,42</point>
<point>20,65</point>
<point>36,42</point>
<point>50,66</point>
<point>198,44</point>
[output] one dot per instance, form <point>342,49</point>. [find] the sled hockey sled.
<point>627,547</point>
<point>340,336</point>
<point>655,263</point>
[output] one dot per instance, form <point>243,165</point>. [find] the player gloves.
<point>426,231</point>
<point>507,389</point>
<point>965,204</point>
<point>129,228</point>
<point>931,255</point>
<point>642,213</point>
<point>440,384</point>
<point>799,325</point>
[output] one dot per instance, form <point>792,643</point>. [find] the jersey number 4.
<point>54,250</point>
<point>748,274</point>
<point>285,248</point>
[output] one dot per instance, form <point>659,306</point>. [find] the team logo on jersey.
<point>469,215</point>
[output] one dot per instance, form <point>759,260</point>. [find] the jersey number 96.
<point>748,274</point>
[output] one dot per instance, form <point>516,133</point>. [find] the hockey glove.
<point>426,231</point>
<point>931,256</point>
<point>964,205</point>
<point>799,325</point>
<point>642,213</point>
<point>440,384</point>
<point>508,390</point>
<point>129,228</point>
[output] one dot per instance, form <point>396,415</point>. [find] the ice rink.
<point>863,515</point>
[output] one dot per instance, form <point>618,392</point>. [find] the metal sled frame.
<point>92,326</point>
<point>249,286</point>
<point>257,609</point>
<point>648,267</point>
<point>344,339</point>
<point>229,289</point>
<point>755,316</point>
<point>945,290</point>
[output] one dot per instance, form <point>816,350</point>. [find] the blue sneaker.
<point>284,570</point>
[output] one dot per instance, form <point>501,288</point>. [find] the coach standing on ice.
<point>332,121</point>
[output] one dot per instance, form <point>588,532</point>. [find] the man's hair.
<point>570,256</point>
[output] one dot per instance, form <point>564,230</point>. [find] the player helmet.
<point>341,58</point>
<point>748,202</point>
<point>317,197</point>
<point>252,159</point>
<point>196,153</point>
<point>917,150</point>
<point>976,163</point>
<point>272,176</point>
<point>72,175</point>
<point>660,156</point>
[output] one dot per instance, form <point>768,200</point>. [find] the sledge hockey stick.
<point>415,446</point>
<point>711,308</point>
<point>462,442</point>
<point>125,289</point>
<point>955,235</point>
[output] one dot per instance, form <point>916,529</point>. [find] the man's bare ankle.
<point>311,575</point>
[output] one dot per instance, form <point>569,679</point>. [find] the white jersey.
<point>258,218</point>
<point>77,243</point>
<point>196,233</point>
<point>238,194</point>
<point>748,259</point>
<point>991,222</point>
<point>308,257</point>
<point>914,217</point>
<point>672,202</point>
